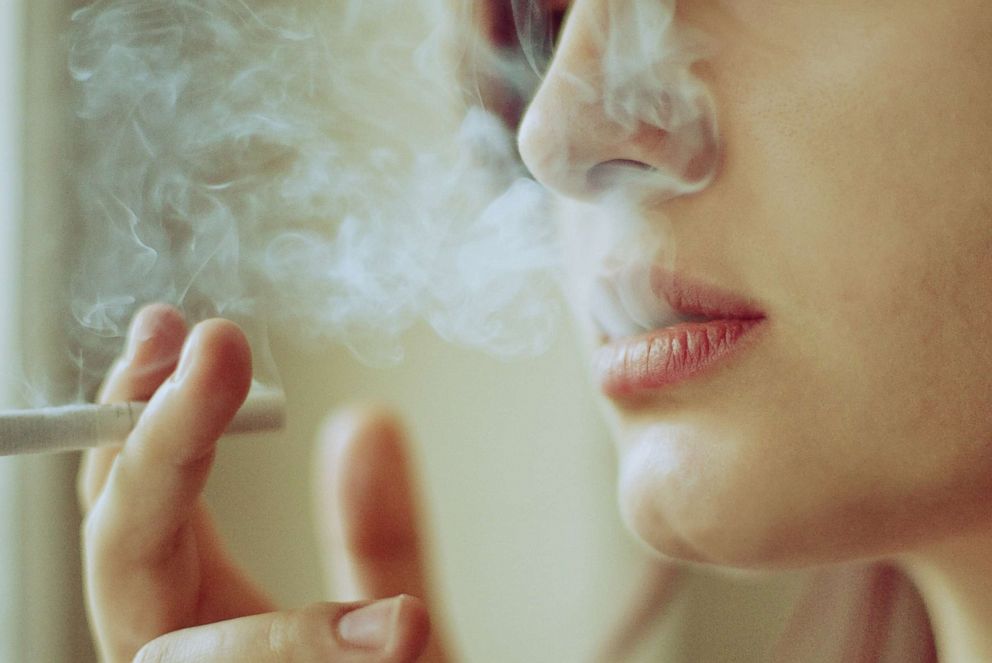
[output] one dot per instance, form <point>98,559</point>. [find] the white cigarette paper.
<point>73,427</point>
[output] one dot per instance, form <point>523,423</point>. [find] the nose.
<point>594,127</point>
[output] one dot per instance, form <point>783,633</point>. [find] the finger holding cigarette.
<point>84,426</point>
<point>75,427</point>
<point>160,584</point>
<point>147,539</point>
<point>161,469</point>
<point>154,342</point>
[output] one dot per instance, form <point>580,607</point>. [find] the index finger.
<point>156,480</point>
<point>155,340</point>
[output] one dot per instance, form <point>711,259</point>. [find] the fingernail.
<point>371,626</point>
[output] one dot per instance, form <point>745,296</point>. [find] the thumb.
<point>392,630</point>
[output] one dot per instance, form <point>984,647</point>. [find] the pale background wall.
<point>518,473</point>
<point>45,621</point>
<point>10,209</point>
<point>517,479</point>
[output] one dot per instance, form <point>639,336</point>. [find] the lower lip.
<point>669,356</point>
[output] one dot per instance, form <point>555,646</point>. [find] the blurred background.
<point>518,474</point>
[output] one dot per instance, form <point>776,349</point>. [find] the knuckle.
<point>100,530</point>
<point>92,530</point>
<point>92,476</point>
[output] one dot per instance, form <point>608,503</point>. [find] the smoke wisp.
<point>263,162</point>
<point>622,124</point>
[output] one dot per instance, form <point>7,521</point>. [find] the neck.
<point>955,580</point>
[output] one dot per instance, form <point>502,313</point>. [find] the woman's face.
<point>847,234</point>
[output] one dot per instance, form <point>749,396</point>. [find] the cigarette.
<point>74,427</point>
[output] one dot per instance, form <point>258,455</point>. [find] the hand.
<point>160,586</point>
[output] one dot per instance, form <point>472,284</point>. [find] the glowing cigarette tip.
<point>73,427</point>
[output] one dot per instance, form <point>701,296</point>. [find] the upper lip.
<point>634,300</point>
<point>700,300</point>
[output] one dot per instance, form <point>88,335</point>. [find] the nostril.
<point>615,172</point>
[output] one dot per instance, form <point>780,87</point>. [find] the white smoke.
<point>223,169</point>
<point>623,124</point>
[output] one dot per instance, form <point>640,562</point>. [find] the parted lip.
<point>699,300</point>
<point>711,325</point>
<point>661,298</point>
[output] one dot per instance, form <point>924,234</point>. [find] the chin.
<point>700,500</point>
<point>700,538</point>
<point>669,500</point>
